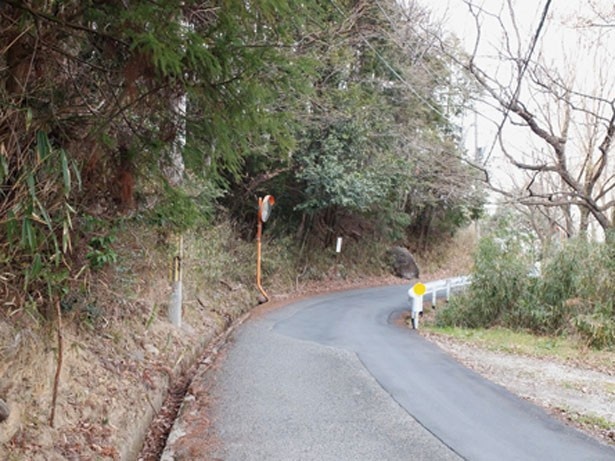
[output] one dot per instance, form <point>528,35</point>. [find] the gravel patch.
<point>579,395</point>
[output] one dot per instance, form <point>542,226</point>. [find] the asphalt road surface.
<point>331,378</point>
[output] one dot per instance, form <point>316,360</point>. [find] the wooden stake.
<point>56,381</point>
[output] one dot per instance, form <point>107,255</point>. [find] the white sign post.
<point>416,296</point>
<point>338,245</point>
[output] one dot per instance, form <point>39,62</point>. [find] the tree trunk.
<point>584,222</point>
<point>173,166</point>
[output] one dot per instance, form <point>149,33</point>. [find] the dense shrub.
<point>573,295</point>
<point>499,279</point>
<point>598,328</point>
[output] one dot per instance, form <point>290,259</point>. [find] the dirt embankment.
<point>123,366</point>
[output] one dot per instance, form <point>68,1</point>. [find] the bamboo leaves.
<point>44,213</point>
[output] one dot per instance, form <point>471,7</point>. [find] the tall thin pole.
<point>259,233</point>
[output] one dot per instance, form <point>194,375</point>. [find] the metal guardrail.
<point>447,286</point>
<point>419,291</point>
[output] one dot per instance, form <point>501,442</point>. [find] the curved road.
<point>331,378</point>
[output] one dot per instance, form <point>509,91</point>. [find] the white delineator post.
<point>416,297</point>
<point>175,304</point>
<point>338,245</point>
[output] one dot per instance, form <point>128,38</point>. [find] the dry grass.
<point>451,257</point>
<point>119,355</point>
<point>562,349</point>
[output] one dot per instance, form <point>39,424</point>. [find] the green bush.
<point>532,315</point>
<point>100,251</point>
<point>459,312</point>
<point>561,275</point>
<point>499,280</point>
<point>574,294</point>
<point>179,210</point>
<point>597,329</point>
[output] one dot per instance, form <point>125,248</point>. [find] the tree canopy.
<point>168,108</point>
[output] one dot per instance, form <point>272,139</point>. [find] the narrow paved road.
<point>331,378</point>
